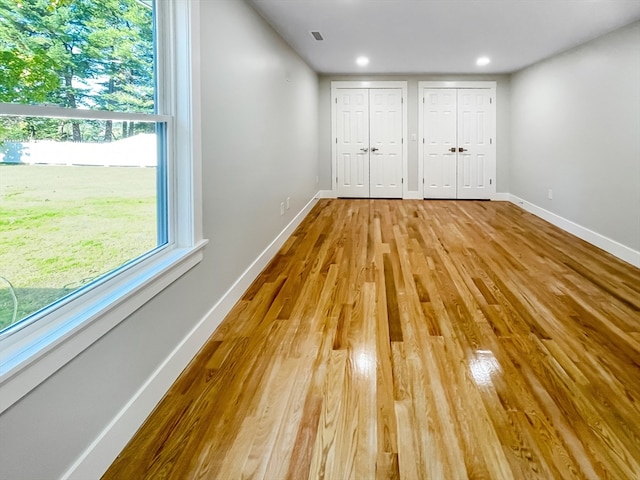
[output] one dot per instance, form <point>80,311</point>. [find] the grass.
<point>63,226</point>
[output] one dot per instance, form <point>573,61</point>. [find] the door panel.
<point>439,125</point>
<point>353,143</point>
<point>386,138</point>
<point>474,109</point>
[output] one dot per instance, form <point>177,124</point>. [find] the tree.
<point>54,36</point>
<point>123,39</point>
<point>77,54</point>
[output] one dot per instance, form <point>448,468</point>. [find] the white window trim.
<point>31,355</point>
<point>78,113</point>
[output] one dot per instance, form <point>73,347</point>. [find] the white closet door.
<point>476,160</point>
<point>385,153</point>
<point>352,143</point>
<point>459,156</point>
<point>440,143</point>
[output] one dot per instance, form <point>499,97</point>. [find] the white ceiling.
<point>440,36</point>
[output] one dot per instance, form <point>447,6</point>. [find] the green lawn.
<point>62,226</point>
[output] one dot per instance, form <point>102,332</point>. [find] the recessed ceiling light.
<point>482,61</point>
<point>362,61</point>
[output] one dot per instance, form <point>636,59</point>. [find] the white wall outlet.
<point>550,194</point>
<point>282,208</point>
<point>288,202</point>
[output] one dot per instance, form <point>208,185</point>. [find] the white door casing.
<point>377,169</point>
<point>462,113</point>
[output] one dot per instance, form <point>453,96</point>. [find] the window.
<point>99,208</point>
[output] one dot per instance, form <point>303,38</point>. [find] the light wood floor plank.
<point>411,340</point>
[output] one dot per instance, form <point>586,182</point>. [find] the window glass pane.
<point>90,54</point>
<point>72,211</point>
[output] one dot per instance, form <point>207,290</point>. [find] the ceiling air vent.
<point>317,36</point>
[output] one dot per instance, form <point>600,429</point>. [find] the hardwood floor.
<point>413,339</point>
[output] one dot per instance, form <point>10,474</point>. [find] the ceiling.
<point>439,36</point>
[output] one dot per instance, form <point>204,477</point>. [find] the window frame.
<point>31,354</point>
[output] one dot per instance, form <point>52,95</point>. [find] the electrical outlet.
<point>282,208</point>
<point>288,202</point>
<point>550,194</point>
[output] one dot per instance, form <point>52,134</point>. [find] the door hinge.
<point>490,100</point>
<point>336,100</point>
<point>402,100</point>
<point>336,140</point>
<point>402,141</point>
<point>491,181</point>
<point>491,141</point>
<point>423,140</point>
<point>422,99</point>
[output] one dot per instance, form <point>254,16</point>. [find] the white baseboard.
<point>326,194</point>
<point>331,194</point>
<point>412,196</point>
<point>608,245</point>
<point>97,458</point>
<point>501,197</point>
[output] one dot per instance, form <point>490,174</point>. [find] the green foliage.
<point>77,54</point>
<point>33,128</point>
<point>122,40</point>
<point>64,226</point>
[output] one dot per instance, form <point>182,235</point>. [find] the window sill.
<point>26,363</point>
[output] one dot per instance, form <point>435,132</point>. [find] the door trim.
<point>487,85</point>
<point>365,84</point>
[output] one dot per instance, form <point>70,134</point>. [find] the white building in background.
<point>136,151</point>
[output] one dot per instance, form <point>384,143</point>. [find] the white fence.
<point>137,151</point>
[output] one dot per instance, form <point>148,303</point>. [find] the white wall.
<point>576,130</point>
<point>502,134</point>
<point>259,146</point>
<point>259,131</point>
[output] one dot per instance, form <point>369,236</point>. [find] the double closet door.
<point>459,154</point>
<point>369,142</point>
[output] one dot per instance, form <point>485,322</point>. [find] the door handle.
<point>364,149</point>
<point>452,149</point>
<point>374,149</point>
<point>462,149</point>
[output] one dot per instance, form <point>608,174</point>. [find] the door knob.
<point>462,149</point>
<point>452,149</point>
<point>364,149</point>
<point>374,149</point>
